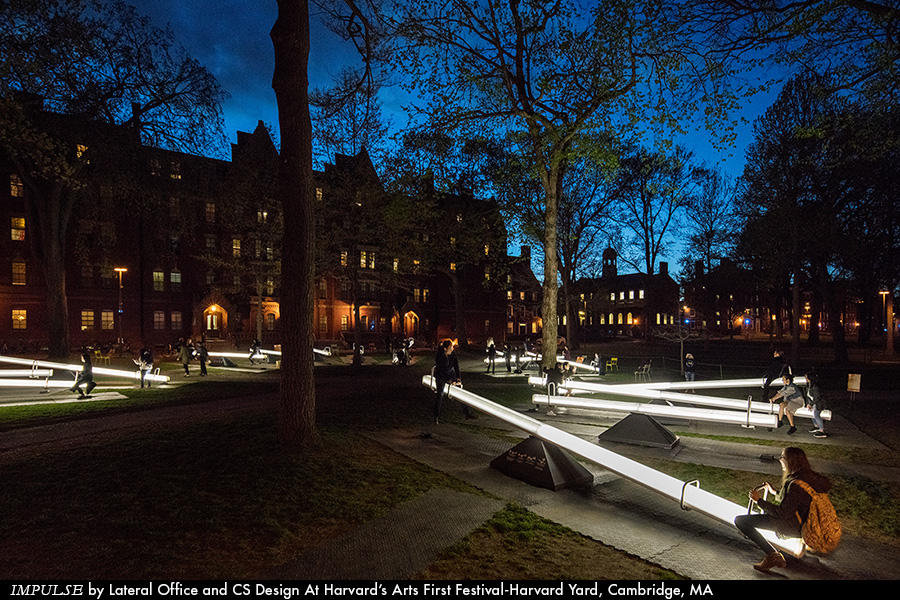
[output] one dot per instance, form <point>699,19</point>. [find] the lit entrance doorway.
<point>411,324</point>
<point>215,322</point>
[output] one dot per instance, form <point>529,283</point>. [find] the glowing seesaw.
<point>687,494</point>
<point>637,391</point>
<point>748,419</point>
<point>34,383</point>
<point>76,368</point>
<point>708,384</point>
<point>237,355</point>
<point>26,372</point>
<point>532,356</point>
<point>323,352</point>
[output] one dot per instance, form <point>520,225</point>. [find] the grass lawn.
<point>517,544</point>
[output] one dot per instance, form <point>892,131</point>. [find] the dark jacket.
<point>492,351</point>
<point>815,397</point>
<point>792,499</point>
<point>446,368</point>
<point>777,368</point>
<point>689,365</point>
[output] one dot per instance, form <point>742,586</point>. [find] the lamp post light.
<point>121,271</point>
<point>888,310</point>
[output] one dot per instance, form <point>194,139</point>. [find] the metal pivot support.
<point>747,425</point>
<point>693,482</point>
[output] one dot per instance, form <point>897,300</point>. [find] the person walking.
<point>254,350</point>
<point>446,373</point>
<point>491,356</point>
<point>202,357</point>
<point>185,354</point>
<point>690,373</point>
<point>85,376</point>
<point>507,354</point>
<point>789,399</point>
<point>815,400</point>
<point>787,514</point>
<point>777,367</point>
<point>145,364</point>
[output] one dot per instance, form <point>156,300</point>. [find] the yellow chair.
<point>612,363</point>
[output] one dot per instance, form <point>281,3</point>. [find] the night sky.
<point>231,38</point>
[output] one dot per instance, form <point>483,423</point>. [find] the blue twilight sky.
<point>231,38</point>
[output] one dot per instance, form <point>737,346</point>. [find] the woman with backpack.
<point>789,511</point>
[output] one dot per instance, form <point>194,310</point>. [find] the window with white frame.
<point>19,318</point>
<point>159,320</point>
<point>16,187</point>
<point>175,319</point>
<point>107,320</point>
<point>159,281</point>
<point>18,272</point>
<point>17,229</point>
<point>87,320</point>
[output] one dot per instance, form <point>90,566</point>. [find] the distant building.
<point>625,305</point>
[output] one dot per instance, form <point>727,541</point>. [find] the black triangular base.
<point>542,465</point>
<point>639,430</point>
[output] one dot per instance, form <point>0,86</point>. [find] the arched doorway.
<point>411,324</point>
<point>215,322</point>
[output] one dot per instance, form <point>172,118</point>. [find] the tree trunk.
<point>54,264</point>
<point>259,309</point>
<point>889,308</point>
<point>357,324</point>
<point>834,317</point>
<point>795,321</point>
<point>297,407</point>
<point>550,285</point>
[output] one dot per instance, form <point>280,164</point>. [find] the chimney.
<point>663,268</point>
<point>525,252</point>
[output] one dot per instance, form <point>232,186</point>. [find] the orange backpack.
<point>822,530</point>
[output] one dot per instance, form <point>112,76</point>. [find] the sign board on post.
<point>853,382</point>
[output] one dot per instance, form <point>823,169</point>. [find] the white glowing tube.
<point>710,384</point>
<point>34,383</point>
<point>657,410</point>
<point>136,375</point>
<point>687,495</point>
<point>235,355</point>
<point>638,391</point>
<point>26,372</point>
<point>324,352</point>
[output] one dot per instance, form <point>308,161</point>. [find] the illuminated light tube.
<point>689,496</point>
<point>638,391</point>
<point>34,383</point>
<point>656,410</point>
<point>26,372</point>
<point>324,352</point>
<point>235,355</point>
<point>709,384</point>
<point>136,375</point>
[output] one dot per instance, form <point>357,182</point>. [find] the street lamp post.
<point>887,307</point>
<point>121,271</point>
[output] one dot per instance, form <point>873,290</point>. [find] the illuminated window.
<point>270,253</point>
<point>210,212</point>
<point>362,259</point>
<point>159,320</point>
<point>345,322</point>
<point>270,321</point>
<point>416,264</point>
<point>371,259</point>
<point>323,323</point>
<point>657,318</point>
<point>509,295</point>
<point>19,318</point>
<point>487,275</point>
<point>16,188</point>
<point>18,272</point>
<point>17,229</point>
<point>262,216</point>
<point>236,247</point>
<point>620,318</point>
<point>87,320</point>
<point>107,320</point>
<point>603,319</point>
<point>319,194</point>
<point>452,242</point>
<point>612,296</point>
<point>80,151</point>
<point>396,265</point>
<point>453,266</point>
<point>631,294</point>
<point>175,169</point>
<point>270,286</point>
<point>425,295</point>
<point>509,327</point>
<point>417,294</point>
<point>175,318</point>
<point>487,249</point>
<point>159,281</point>
<point>621,295</point>
<point>459,218</point>
<point>522,296</point>
<point>611,319</point>
<point>343,258</point>
<point>641,294</point>
<point>175,279</point>
<point>630,319</point>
